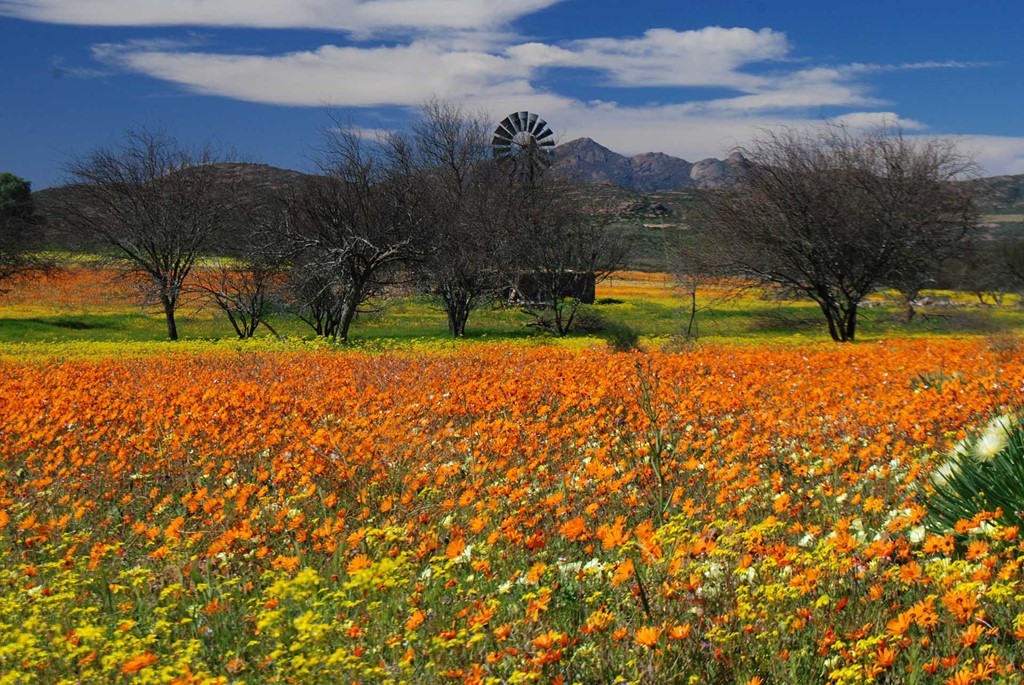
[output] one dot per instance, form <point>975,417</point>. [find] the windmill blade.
<point>501,137</point>
<point>507,126</point>
<point>523,117</point>
<point>524,138</point>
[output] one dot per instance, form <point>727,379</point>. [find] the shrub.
<point>622,338</point>
<point>983,473</point>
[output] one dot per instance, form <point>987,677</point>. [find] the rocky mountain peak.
<point>588,161</point>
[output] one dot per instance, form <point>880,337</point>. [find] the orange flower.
<point>456,547</point>
<point>648,636</point>
<point>970,636</point>
<point>976,549</point>
<point>623,572</point>
<point>358,563</point>
<point>900,624</point>
<point>139,662</point>
<point>285,563</point>
<point>416,619</point>
<point>172,531</point>
<point>885,657</point>
<point>535,572</point>
<point>680,632</point>
<point>574,529</point>
<point>961,603</point>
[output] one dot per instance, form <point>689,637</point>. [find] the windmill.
<point>524,141</point>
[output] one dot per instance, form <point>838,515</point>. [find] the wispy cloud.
<point>334,75</point>
<point>340,15</point>
<point>61,69</point>
<point>711,56</point>
<point>472,70</point>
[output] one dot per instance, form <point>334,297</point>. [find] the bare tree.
<point>561,252</point>
<point>241,288</point>
<point>469,209</point>
<point>698,279</point>
<point>833,214</point>
<point>243,276</point>
<point>346,232</point>
<point>156,202</point>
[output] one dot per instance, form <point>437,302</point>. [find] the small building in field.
<point>528,287</point>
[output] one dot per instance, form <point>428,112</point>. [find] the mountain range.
<point>619,184</point>
<point>588,161</point>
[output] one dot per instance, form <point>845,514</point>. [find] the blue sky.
<point>690,78</point>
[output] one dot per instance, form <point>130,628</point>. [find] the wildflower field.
<point>500,513</point>
<point>87,301</point>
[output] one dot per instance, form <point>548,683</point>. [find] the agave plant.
<point>984,472</point>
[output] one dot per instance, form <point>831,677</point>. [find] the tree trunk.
<point>458,306</point>
<point>563,322</point>
<point>457,317</point>
<point>850,322</point>
<point>348,312</point>
<point>831,316</point>
<point>691,327</point>
<point>841,318</point>
<point>172,327</point>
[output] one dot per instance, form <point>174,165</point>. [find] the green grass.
<point>657,314</point>
<point>418,319</point>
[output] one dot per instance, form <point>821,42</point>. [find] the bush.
<point>983,473</point>
<point>622,338</point>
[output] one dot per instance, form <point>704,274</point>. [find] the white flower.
<point>943,474</point>
<point>995,437</point>
<point>986,528</point>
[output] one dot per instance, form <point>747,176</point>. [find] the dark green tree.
<point>16,220</point>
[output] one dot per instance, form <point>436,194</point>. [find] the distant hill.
<point>651,189</point>
<point>999,194</point>
<point>254,183</point>
<point>587,161</point>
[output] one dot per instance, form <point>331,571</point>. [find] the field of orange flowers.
<point>502,514</point>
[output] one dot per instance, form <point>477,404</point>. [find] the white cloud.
<point>860,68</point>
<point>60,69</point>
<point>995,155</point>
<point>343,15</point>
<point>466,66</point>
<point>341,76</point>
<point>879,120</point>
<point>710,56</point>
